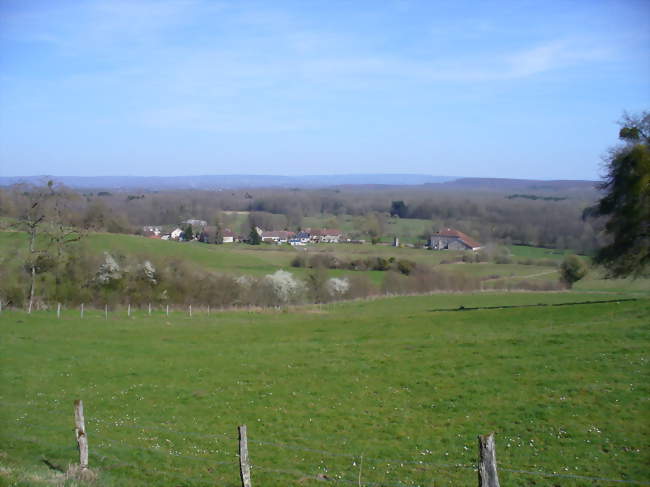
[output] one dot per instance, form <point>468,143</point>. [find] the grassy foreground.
<point>566,389</point>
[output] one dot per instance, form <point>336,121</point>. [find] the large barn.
<point>450,239</point>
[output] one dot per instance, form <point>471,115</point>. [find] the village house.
<point>450,239</point>
<point>276,236</point>
<point>151,232</point>
<point>326,235</point>
<point>228,236</point>
<point>209,234</point>
<point>303,237</point>
<point>176,234</point>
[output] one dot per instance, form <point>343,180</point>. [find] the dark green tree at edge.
<point>626,203</point>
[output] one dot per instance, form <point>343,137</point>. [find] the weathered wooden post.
<point>167,310</point>
<point>82,310</point>
<point>0,306</point>
<point>208,310</point>
<point>487,462</point>
<point>29,309</point>
<point>149,309</point>
<point>190,310</point>
<point>128,312</point>
<point>244,465</point>
<point>58,310</point>
<point>80,433</point>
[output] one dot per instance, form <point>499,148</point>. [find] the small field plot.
<point>391,392</point>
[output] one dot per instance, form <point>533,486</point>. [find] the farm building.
<point>326,235</point>
<point>450,239</point>
<point>277,236</point>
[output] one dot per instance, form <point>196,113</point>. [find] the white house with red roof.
<point>450,239</point>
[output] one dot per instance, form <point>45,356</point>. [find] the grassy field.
<point>566,389</point>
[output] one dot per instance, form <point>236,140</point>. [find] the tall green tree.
<point>188,234</point>
<point>626,203</point>
<point>398,208</point>
<point>254,237</point>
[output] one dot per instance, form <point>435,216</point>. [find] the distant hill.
<point>227,181</point>
<point>504,184</point>
<point>367,181</point>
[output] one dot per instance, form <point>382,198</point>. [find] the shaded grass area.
<point>565,389</point>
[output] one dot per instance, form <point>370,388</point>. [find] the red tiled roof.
<point>466,239</point>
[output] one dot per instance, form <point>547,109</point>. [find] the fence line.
<point>487,466</point>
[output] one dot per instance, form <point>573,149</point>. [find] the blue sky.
<point>524,89</point>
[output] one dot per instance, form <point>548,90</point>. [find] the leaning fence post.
<point>487,462</point>
<point>80,433</point>
<point>58,310</point>
<point>244,465</point>
<point>82,310</point>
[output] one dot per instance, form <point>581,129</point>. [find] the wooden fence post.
<point>244,465</point>
<point>149,309</point>
<point>487,462</point>
<point>106,311</point>
<point>190,310</point>
<point>208,310</point>
<point>82,310</point>
<point>128,312</point>
<point>80,433</point>
<point>29,310</point>
<point>58,311</point>
<point>167,310</point>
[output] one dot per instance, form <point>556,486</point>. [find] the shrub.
<point>299,260</point>
<point>572,269</point>
<point>406,267</point>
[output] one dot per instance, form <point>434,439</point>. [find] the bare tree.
<point>44,215</point>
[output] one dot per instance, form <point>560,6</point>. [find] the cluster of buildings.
<point>327,235</point>
<point>445,239</point>
<point>206,234</point>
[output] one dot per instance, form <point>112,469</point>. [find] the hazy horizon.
<point>509,89</point>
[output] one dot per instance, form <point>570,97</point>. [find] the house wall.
<point>447,243</point>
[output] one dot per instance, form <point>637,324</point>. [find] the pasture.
<point>238,259</point>
<point>396,381</point>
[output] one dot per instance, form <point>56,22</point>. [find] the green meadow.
<point>384,392</point>
<point>238,259</point>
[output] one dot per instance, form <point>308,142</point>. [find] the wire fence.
<point>110,448</point>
